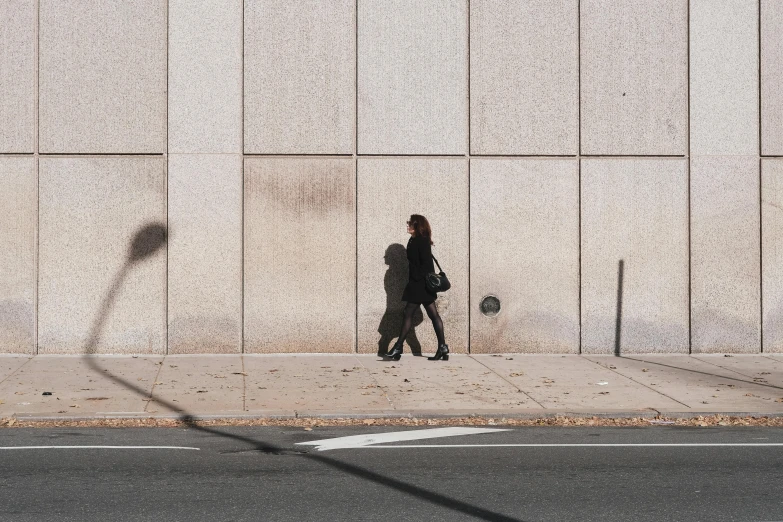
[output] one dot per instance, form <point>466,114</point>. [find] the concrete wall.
<point>282,145</point>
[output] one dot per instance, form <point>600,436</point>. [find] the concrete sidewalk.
<point>513,385</point>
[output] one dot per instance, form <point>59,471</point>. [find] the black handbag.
<point>437,282</point>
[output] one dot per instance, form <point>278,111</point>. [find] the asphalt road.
<point>261,474</point>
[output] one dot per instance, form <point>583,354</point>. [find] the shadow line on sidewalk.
<point>646,361</point>
<point>149,240</point>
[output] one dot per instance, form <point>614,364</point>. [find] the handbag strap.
<point>436,262</point>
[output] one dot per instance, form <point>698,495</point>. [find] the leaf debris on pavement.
<point>555,420</point>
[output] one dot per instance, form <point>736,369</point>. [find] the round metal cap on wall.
<point>490,306</point>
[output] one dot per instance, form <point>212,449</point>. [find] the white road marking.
<point>680,445</point>
<point>95,447</point>
<point>361,441</point>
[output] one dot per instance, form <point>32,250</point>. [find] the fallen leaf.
<point>74,405</point>
<point>239,373</point>
<point>308,428</point>
<point>516,374</point>
<point>273,371</point>
<point>405,380</point>
<point>645,370</point>
<point>11,422</point>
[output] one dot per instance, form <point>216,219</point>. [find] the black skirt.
<point>419,255</point>
<point>416,292</point>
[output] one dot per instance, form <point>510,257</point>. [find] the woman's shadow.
<point>394,283</point>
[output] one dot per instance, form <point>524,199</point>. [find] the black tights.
<point>432,313</point>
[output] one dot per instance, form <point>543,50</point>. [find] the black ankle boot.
<point>396,352</point>
<point>442,353</point>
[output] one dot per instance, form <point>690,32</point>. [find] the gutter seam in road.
<point>511,383</point>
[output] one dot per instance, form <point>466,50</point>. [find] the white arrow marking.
<point>682,445</point>
<point>360,441</point>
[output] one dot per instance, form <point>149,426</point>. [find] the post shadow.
<point>148,240</point>
<point>394,282</point>
<point>619,321</point>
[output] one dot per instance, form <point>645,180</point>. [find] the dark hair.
<point>421,226</point>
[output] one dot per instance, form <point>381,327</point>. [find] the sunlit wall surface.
<point>608,172</point>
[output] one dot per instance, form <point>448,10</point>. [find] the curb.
<point>413,415</point>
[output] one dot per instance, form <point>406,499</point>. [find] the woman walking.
<point>420,264</point>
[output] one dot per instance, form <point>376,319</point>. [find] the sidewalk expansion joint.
<point>772,359</point>
<point>15,371</point>
<point>154,383</point>
<point>637,382</point>
<point>761,384</point>
<point>721,367</point>
<point>377,383</point>
<point>244,382</point>
<point>509,382</point>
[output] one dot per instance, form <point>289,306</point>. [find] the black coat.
<point>419,265</point>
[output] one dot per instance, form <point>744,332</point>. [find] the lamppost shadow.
<point>618,331</point>
<point>146,242</point>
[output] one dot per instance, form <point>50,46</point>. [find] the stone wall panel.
<point>524,250</point>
